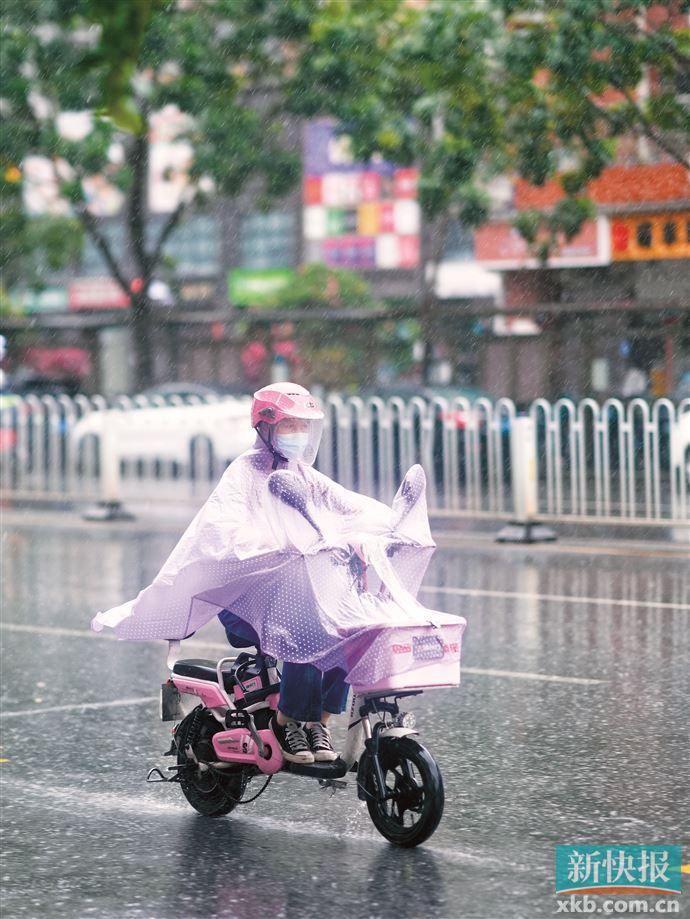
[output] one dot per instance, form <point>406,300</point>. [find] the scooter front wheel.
<point>409,807</point>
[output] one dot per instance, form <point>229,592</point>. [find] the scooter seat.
<point>203,670</point>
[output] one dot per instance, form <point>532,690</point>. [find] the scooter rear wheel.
<point>413,806</point>
<point>211,792</point>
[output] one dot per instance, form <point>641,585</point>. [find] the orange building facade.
<point>609,314</point>
<point>610,311</point>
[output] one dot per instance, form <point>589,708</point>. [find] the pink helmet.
<point>277,401</point>
<point>280,402</point>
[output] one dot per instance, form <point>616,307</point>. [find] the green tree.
<point>339,345</point>
<point>579,76</point>
<point>224,63</point>
<point>468,90</point>
<point>415,84</point>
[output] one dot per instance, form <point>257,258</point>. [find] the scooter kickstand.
<point>164,778</point>
<point>155,771</point>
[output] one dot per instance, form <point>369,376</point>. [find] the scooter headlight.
<point>405,720</point>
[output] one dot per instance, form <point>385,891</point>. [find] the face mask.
<point>291,446</point>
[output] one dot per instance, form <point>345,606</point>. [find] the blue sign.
<point>620,869</point>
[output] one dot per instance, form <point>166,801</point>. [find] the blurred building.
<point>609,315</point>
<point>222,264</point>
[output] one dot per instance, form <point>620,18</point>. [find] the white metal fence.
<point>608,462</point>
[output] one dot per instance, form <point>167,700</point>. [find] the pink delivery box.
<point>415,657</point>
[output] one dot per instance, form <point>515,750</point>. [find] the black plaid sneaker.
<point>320,742</point>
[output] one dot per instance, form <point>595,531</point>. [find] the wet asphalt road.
<point>571,725</point>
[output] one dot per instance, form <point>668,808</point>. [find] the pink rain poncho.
<point>318,571</point>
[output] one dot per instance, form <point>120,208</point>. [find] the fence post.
<point>110,506</point>
<point>523,466</point>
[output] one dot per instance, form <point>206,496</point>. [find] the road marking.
<point>553,598</point>
<point>60,632</point>
<point>524,675</point>
<point>57,631</point>
<point>483,541</point>
<point>79,706</point>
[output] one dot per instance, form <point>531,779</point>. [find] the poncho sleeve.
<point>359,515</point>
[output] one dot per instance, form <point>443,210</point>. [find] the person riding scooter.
<point>254,554</point>
<point>325,580</point>
<point>288,423</point>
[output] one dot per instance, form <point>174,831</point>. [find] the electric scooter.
<point>225,742</point>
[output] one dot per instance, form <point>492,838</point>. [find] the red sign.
<point>409,251</point>
<point>312,190</point>
<point>386,221</point>
<point>370,186</point>
<point>405,183</point>
<point>58,362</point>
<point>101,293</point>
<point>499,245</point>
<point>620,237</point>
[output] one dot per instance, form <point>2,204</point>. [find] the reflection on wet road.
<point>570,726</point>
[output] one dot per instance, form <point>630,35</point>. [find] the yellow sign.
<point>642,237</point>
<point>368,219</point>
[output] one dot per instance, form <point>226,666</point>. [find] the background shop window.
<point>268,240</point>
<point>670,232</point>
<point>644,235</point>
<point>459,245</point>
<point>194,246</point>
<point>93,265</point>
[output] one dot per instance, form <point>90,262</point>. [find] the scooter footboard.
<point>410,657</point>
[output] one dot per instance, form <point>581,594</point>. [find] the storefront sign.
<point>197,291</point>
<point>643,237</point>
<point>514,325</point>
<point>254,288</point>
<point>51,299</point>
<point>102,293</point>
<point>356,215</point>
<point>499,245</point>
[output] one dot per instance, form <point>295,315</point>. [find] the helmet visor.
<point>298,438</point>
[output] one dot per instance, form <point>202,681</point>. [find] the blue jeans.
<point>305,692</point>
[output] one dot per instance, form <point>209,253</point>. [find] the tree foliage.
<point>581,75</point>
<point>464,90</point>
<point>223,63</point>
<point>537,88</point>
<point>336,351</point>
<point>415,85</point>
<point>318,288</point>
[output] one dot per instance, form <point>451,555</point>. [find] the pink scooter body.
<point>209,693</point>
<point>237,746</point>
